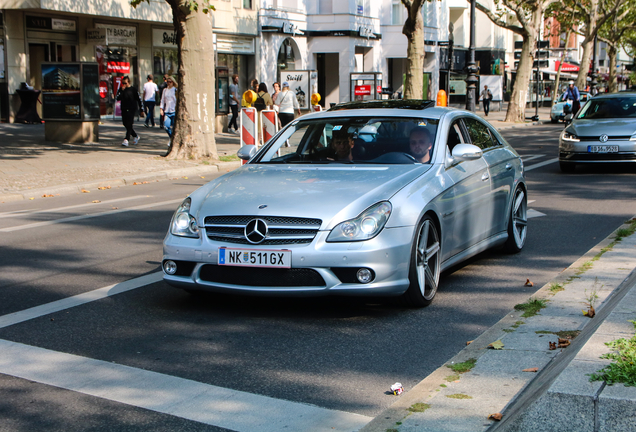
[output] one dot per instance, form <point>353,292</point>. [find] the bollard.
<point>269,120</point>
<point>441,98</point>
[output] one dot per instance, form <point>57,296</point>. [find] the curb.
<point>426,389</point>
<point>76,188</point>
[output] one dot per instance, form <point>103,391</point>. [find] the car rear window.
<point>369,140</point>
<point>616,107</point>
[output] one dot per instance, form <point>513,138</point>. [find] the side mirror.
<point>466,152</point>
<point>568,118</point>
<point>246,152</point>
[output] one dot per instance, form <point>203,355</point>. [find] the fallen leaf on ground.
<point>135,183</point>
<point>495,416</point>
<point>96,201</point>
<point>563,343</point>
<point>145,182</point>
<point>202,177</point>
<point>103,187</point>
<point>47,196</point>
<point>496,345</point>
<point>85,191</point>
<point>469,342</point>
<point>185,177</point>
<point>529,283</point>
<point>32,198</point>
<point>589,313</point>
<point>534,369</point>
<point>115,208</point>
<point>553,346</point>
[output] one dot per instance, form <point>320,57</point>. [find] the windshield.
<point>616,107</point>
<point>354,140</point>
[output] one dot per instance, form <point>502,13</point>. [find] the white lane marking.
<point>540,164</point>
<point>531,201</point>
<point>27,212</point>
<point>78,300</point>
<point>531,157</point>
<point>532,213</point>
<point>81,217</point>
<point>192,400</point>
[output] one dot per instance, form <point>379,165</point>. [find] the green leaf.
<point>496,345</point>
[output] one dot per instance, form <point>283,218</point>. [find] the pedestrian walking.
<point>276,87</point>
<point>168,106</point>
<point>286,102</point>
<point>150,92</point>
<point>263,99</point>
<point>486,97</point>
<point>254,85</point>
<point>234,103</point>
<point>162,87</point>
<point>130,102</point>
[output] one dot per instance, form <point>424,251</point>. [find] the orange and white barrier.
<point>269,120</point>
<point>249,131</point>
<point>316,108</point>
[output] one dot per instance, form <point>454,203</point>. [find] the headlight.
<point>183,223</point>
<point>366,226</point>
<point>633,137</point>
<point>566,136</point>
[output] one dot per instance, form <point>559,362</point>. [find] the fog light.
<point>170,267</point>
<point>364,275</point>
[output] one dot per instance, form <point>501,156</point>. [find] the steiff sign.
<point>164,38</point>
<point>299,85</point>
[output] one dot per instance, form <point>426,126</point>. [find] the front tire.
<point>518,222</point>
<point>424,269</point>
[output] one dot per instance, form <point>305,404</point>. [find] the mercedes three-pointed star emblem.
<point>256,231</point>
<point>603,138</point>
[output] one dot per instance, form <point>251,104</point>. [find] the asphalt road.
<point>336,354</point>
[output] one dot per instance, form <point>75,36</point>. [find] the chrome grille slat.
<point>281,230</point>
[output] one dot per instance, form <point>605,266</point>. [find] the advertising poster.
<point>299,85</point>
<point>61,95</point>
<point>91,91</point>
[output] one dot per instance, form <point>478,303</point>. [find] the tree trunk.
<point>193,136</point>
<point>613,82</point>
<point>413,29</point>
<point>557,93</point>
<point>581,79</point>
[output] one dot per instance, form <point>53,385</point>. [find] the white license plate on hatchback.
<point>602,149</point>
<point>255,257</point>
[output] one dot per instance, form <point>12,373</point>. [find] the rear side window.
<point>479,134</point>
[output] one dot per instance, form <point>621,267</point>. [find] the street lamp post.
<point>594,82</point>
<point>471,68</point>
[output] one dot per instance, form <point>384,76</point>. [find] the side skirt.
<point>496,240</point>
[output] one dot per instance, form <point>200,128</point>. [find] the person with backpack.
<point>263,99</point>
<point>486,97</point>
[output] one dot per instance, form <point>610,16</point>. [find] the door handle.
<point>485,176</point>
<point>508,167</point>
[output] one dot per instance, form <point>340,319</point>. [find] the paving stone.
<point>617,409</point>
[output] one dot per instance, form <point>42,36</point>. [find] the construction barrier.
<point>249,131</point>
<point>316,108</point>
<point>269,120</point>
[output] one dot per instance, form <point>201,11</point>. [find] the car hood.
<point>332,193</point>
<point>598,127</point>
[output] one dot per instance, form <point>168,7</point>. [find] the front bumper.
<point>318,268</point>
<point>578,152</point>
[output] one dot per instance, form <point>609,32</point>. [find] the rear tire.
<point>567,167</point>
<point>424,269</point>
<point>518,222</point>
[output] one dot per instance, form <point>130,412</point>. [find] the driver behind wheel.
<point>420,144</point>
<point>342,144</point>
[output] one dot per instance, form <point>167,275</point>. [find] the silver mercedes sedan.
<point>369,198</point>
<point>603,131</point>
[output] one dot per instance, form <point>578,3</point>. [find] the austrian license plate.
<point>255,258</point>
<point>602,149</point>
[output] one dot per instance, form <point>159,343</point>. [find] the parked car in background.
<point>369,198</point>
<point>560,108</point>
<point>604,131</point>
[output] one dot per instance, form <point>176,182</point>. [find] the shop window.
<point>397,12</point>
<point>165,61</point>
<point>247,4</point>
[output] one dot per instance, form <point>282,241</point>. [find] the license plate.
<point>255,258</point>
<point>602,149</point>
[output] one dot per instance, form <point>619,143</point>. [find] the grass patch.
<point>571,278</point>
<point>531,307</point>
<point>229,158</point>
<point>556,287</point>
<point>452,378</point>
<point>543,332</point>
<point>508,330</point>
<point>464,366</point>
<point>392,430</point>
<point>443,385</point>
<point>459,396</point>
<point>584,267</point>
<point>205,162</point>
<point>517,324</point>
<point>419,407</point>
<point>564,334</point>
<point>623,366</point>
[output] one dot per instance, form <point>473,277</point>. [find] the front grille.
<point>609,138</point>
<point>281,230</point>
<point>261,277</point>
